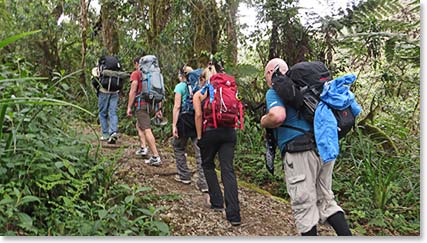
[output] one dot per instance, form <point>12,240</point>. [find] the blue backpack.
<point>193,87</point>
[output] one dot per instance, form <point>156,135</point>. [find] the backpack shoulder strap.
<point>189,88</point>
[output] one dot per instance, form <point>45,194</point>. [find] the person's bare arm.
<point>175,113</point>
<point>159,112</point>
<point>197,103</point>
<point>132,94</point>
<point>274,118</point>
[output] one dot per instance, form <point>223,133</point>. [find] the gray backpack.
<point>153,90</point>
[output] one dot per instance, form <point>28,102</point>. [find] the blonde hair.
<point>187,69</point>
<point>207,73</point>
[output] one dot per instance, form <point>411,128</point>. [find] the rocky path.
<point>186,209</point>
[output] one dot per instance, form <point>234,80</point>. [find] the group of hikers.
<point>207,111</point>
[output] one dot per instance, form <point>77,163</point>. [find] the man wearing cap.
<point>308,179</point>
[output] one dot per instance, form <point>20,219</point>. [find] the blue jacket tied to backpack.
<point>335,94</point>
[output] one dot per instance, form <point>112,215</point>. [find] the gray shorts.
<point>309,185</point>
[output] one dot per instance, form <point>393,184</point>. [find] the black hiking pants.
<point>221,141</point>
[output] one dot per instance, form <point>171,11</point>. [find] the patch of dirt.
<point>188,214</point>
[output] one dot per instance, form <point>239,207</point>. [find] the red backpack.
<point>224,108</point>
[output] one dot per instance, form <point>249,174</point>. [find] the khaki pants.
<point>309,185</point>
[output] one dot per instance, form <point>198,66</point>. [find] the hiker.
<point>308,178</point>
<point>108,97</point>
<point>142,113</point>
<point>221,141</point>
<point>183,128</point>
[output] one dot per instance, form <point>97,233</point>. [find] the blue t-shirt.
<point>284,134</point>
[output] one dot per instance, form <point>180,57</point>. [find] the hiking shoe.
<point>142,151</point>
<point>113,138</point>
<point>202,189</point>
<point>219,210</point>
<point>177,178</point>
<point>235,223</point>
<point>103,138</point>
<point>153,160</point>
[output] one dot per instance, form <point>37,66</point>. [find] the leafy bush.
<point>52,179</point>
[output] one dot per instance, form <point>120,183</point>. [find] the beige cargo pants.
<point>309,185</point>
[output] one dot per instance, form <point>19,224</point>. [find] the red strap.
<point>214,113</point>
<point>241,115</point>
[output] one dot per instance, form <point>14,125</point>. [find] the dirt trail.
<point>190,215</point>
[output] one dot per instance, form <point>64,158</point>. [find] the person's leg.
<point>103,113</point>
<point>328,207</point>
<point>312,232</point>
<point>208,148</point>
<point>300,174</point>
<point>141,135</point>
<point>112,113</point>
<point>179,145</point>
<point>142,150</point>
<point>149,137</point>
<point>201,182</point>
<point>339,223</point>
<point>226,156</point>
<point>144,124</point>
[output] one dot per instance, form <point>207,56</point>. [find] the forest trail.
<point>186,209</point>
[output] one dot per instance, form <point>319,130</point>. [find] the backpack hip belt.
<point>301,143</point>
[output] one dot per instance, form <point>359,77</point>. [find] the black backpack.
<point>111,78</point>
<point>301,87</point>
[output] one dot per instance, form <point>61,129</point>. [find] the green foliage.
<point>379,186</point>
<point>52,180</point>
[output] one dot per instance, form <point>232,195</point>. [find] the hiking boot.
<point>177,178</point>
<point>113,138</point>
<point>154,161</point>
<point>142,151</point>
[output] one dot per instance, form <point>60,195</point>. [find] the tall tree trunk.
<point>207,25</point>
<point>110,36</point>
<point>274,42</point>
<point>159,16</point>
<point>49,44</point>
<point>232,6</point>
<point>84,23</point>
